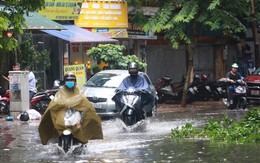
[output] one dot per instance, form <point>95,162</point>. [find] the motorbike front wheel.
<point>129,120</point>
<point>65,142</point>
<point>242,103</point>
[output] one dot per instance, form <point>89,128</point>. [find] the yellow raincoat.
<point>52,123</point>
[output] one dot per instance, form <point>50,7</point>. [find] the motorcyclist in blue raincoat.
<point>138,82</point>
<point>134,80</point>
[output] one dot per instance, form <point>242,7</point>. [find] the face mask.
<point>70,84</point>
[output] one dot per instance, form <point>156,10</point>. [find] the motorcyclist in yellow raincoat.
<point>69,96</point>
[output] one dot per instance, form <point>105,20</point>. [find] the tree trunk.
<point>255,35</point>
<point>190,50</point>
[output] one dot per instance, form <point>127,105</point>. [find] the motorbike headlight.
<point>130,90</point>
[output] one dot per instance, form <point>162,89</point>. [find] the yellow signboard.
<point>79,71</point>
<point>103,14</point>
<point>111,32</point>
<point>61,9</point>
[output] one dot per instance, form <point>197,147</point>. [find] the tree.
<point>180,20</point>
<point>11,18</point>
<point>114,56</point>
<point>28,55</point>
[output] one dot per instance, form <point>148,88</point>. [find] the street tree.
<point>180,20</point>
<point>12,19</point>
<point>114,56</point>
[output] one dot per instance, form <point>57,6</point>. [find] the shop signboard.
<point>111,32</point>
<point>103,14</point>
<point>61,9</point>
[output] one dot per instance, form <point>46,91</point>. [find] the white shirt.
<point>32,82</point>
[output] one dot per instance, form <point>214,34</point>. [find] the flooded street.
<point>147,142</point>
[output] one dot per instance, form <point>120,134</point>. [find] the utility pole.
<point>255,35</point>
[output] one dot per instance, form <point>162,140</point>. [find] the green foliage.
<point>11,17</point>
<point>28,55</point>
<point>114,56</point>
<point>95,69</point>
<point>225,130</point>
<point>8,44</point>
<point>175,18</point>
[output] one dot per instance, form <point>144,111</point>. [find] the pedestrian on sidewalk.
<point>32,83</point>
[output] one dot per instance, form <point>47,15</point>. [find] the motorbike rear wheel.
<point>215,95</point>
<point>161,98</point>
<point>41,105</point>
<point>4,108</point>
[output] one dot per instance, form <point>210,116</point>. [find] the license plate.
<point>255,92</point>
<point>97,105</point>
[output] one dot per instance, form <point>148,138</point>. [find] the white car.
<point>101,87</point>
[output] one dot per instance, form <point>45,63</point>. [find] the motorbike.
<point>70,120</point>
<point>169,90</point>
<point>134,105</point>
<point>199,89</point>
<point>66,140</point>
<point>239,96</point>
<point>4,103</point>
<point>219,89</point>
<point>39,102</point>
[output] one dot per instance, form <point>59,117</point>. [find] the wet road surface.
<point>148,141</point>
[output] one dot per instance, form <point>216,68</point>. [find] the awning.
<point>77,34</point>
<point>37,21</point>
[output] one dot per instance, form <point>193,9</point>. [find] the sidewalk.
<point>197,105</point>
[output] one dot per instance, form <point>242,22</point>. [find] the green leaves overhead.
<point>11,18</point>
<point>174,18</point>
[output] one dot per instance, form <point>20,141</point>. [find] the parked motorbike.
<point>200,89</point>
<point>134,105</point>
<point>239,96</point>
<point>4,103</point>
<point>219,89</point>
<point>169,90</point>
<point>39,102</point>
<point>66,140</point>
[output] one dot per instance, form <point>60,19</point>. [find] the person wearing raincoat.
<point>69,96</point>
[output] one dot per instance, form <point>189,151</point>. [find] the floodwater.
<point>148,142</point>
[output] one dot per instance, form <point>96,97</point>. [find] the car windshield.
<point>106,80</point>
<point>256,72</point>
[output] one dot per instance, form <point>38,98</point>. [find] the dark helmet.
<point>70,76</point>
<point>70,80</point>
<point>24,116</point>
<point>196,78</point>
<point>133,68</point>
